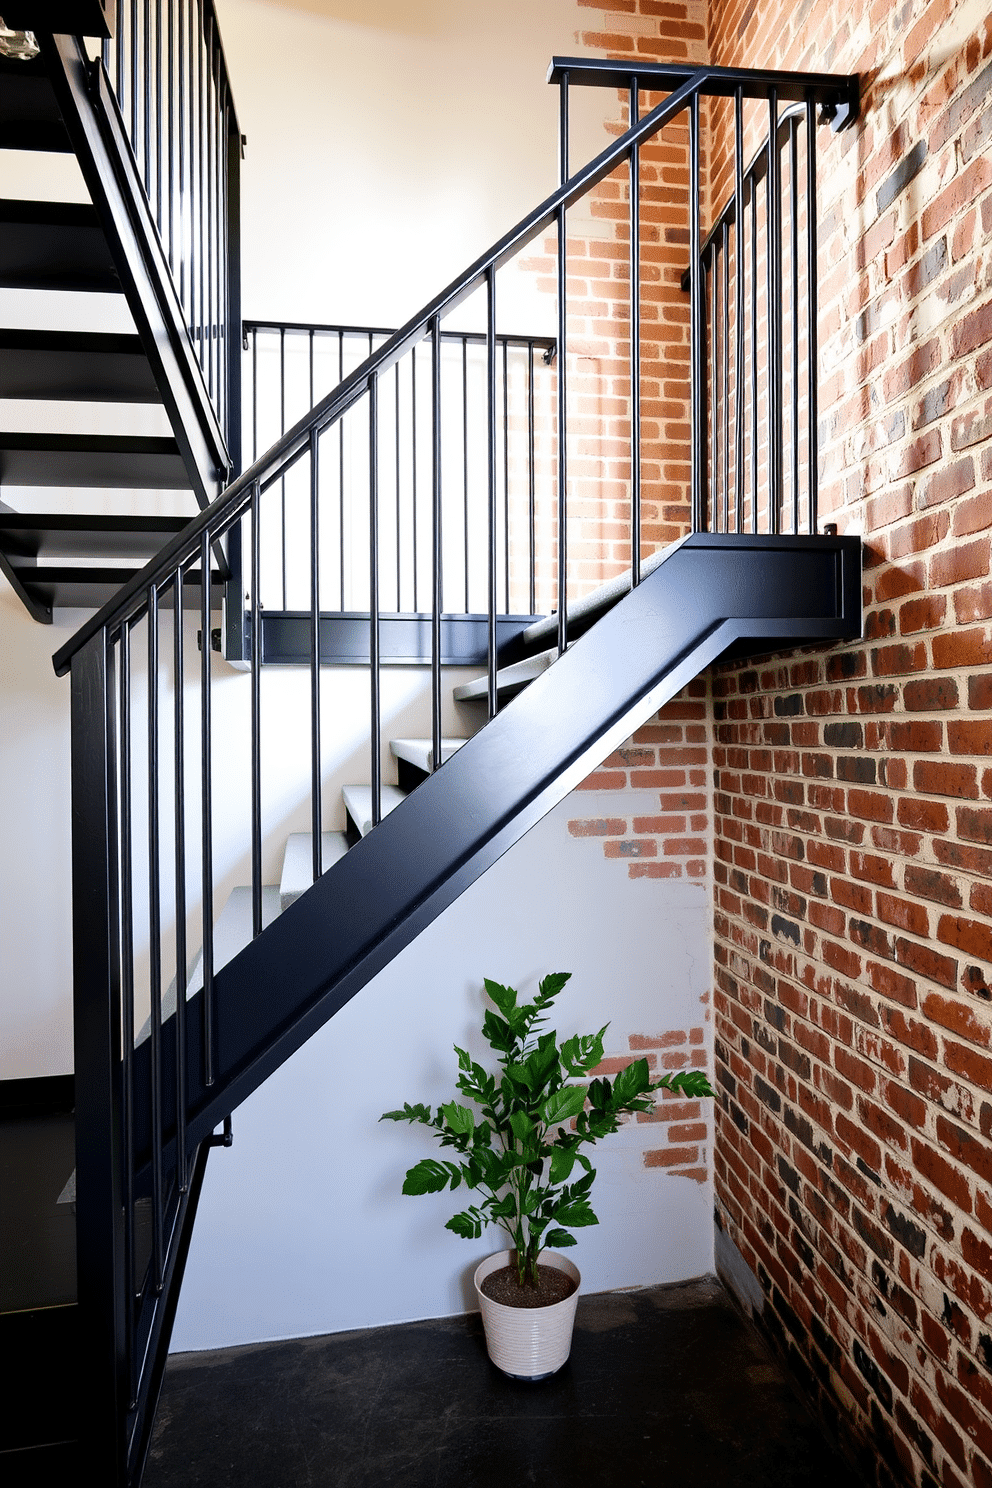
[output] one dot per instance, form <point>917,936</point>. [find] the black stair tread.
<point>107,461</point>
<point>54,245</point>
<point>29,115</point>
<point>90,588</point>
<point>86,366</point>
<point>36,534</point>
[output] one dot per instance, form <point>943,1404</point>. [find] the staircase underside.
<point>711,594</point>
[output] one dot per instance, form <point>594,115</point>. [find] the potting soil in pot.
<point>552,1286</point>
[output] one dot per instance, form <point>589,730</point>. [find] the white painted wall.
<point>390,142</point>
<point>302,1228</point>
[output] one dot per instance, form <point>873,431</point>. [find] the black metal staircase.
<point>169,1042</point>
<point>59,543</point>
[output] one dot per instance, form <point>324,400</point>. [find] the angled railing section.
<point>148,764</point>
<point>153,125</point>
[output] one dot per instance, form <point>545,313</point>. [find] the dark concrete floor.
<point>665,1384</point>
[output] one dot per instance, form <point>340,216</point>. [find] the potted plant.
<point>522,1151</point>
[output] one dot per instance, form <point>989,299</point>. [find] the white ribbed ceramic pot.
<point>527,1342</point>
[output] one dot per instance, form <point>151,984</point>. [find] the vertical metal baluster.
<point>254,394</point>
<point>146,73</point>
<point>437,577</point>
<point>227,333</point>
<point>812,330</point>
<point>465,463</point>
<point>531,514</point>
<point>697,419</point>
<point>200,187</point>
<point>376,700</point>
<point>256,711</point>
<point>135,70</point>
<point>171,166</point>
<point>725,419</point>
<point>159,194</point>
<point>119,72</point>
<point>773,248</point>
<point>206,810</point>
<point>282,479</point>
<point>413,468</point>
<point>155,943</point>
<point>714,386</point>
<point>182,971</point>
<point>491,487</point>
<point>794,309</point>
<point>739,310</point>
<point>563,166</point>
<point>635,343</point>
<point>341,470</point>
<point>316,825</point>
<point>562,439</point>
<point>211,208</point>
<point>754,355</point>
<point>127,993</point>
<point>180,186</point>
<point>506,484</point>
<point>397,486</point>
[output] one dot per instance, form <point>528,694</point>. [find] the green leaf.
<point>560,1239</point>
<point>430,1176</point>
<point>630,1083</point>
<point>693,1083</point>
<point>505,998</point>
<point>562,1163</point>
<point>552,984</point>
<point>468,1224</point>
<point>600,1094</point>
<point>498,1034</point>
<point>576,1214</point>
<point>522,1127</point>
<point>563,1105</point>
<point>542,1064</point>
<point>409,1113</point>
<point>459,1118</point>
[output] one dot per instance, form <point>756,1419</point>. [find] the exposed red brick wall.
<point>853,824</point>
<point>682,1129</point>
<point>665,835</point>
<point>598,288</point>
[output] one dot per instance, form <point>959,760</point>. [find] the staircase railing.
<point>147,762</point>
<point>166,69</point>
<point>290,365</point>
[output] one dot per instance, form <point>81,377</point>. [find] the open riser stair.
<point>413,511</point>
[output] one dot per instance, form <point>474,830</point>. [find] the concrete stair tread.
<point>358,801</point>
<point>509,679</point>
<point>297,863</point>
<point>584,611</point>
<point>420,752</point>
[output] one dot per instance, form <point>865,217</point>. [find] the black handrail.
<point>234,502</point>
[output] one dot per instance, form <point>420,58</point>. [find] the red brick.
<point>601,826</point>
<point>961,648</point>
<point>969,738</point>
<point>971,936</point>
